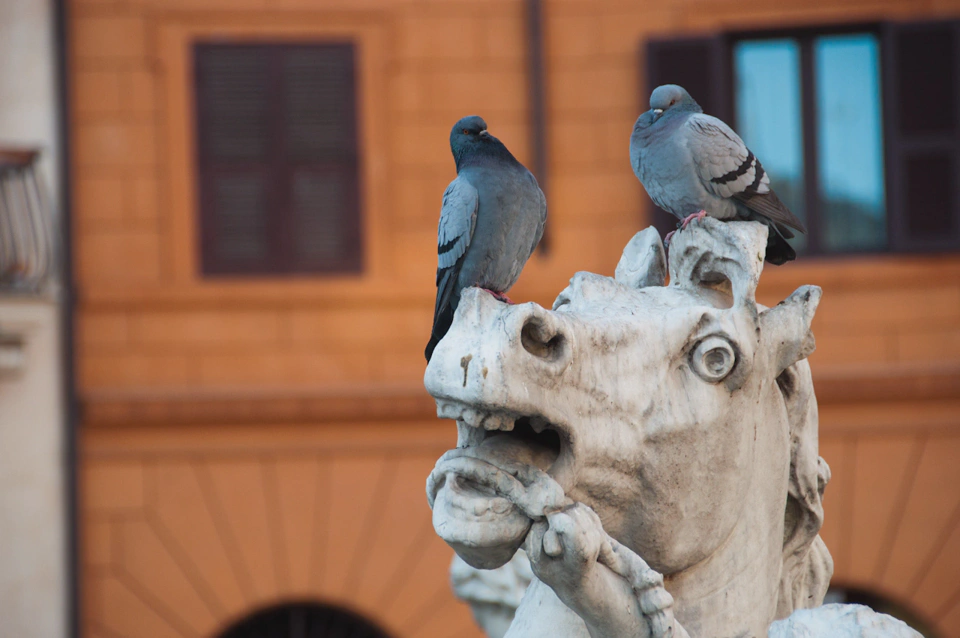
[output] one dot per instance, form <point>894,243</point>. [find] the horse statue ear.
<point>786,327</point>
<point>644,262</point>
<point>720,260</point>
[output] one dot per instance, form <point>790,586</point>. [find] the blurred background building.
<point>252,190</point>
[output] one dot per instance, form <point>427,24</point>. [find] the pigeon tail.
<point>448,298</point>
<point>441,325</point>
<point>779,251</point>
<point>769,205</point>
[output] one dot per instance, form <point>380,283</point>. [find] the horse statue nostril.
<point>541,342</point>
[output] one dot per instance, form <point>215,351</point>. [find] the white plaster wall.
<point>28,104</point>
<point>33,589</point>
<point>32,528</point>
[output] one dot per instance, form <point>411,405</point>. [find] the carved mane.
<point>807,564</point>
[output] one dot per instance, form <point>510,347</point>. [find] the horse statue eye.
<point>713,359</point>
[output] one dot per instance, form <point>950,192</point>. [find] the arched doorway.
<point>304,620</point>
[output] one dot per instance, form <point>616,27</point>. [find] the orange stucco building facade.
<point>250,441</point>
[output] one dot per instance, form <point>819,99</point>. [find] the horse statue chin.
<point>652,448</point>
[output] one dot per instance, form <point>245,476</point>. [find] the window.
<point>845,208</point>
<point>828,112</point>
<point>769,116</point>
<point>278,162</point>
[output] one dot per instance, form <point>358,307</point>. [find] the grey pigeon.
<point>490,222</point>
<point>694,164</point>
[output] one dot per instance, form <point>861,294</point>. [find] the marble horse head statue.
<point>681,415</point>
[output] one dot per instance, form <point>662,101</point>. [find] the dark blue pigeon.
<point>490,222</point>
<point>694,165</point>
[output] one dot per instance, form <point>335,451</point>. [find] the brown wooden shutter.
<point>278,162</point>
<point>702,67</point>
<point>233,127</point>
<point>921,66</point>
<point>321,149</point>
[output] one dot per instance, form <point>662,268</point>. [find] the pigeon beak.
<point>657,111</point>
<point>484,133</point>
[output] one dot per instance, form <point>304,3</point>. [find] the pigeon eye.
<point>713,359</point>
<point>466,131</point>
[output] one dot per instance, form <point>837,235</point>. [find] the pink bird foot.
<point>689,218</point>
<point>666,240</point>
<point>499,296</point>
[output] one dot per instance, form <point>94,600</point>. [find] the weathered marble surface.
<point>493,594</point>
<point>841,621</point>
<point>639,441</point>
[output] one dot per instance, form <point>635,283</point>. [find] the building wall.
<point>28,97</point>
<point>216,413</point>
<point>187,532</point>
<point>33,525</point>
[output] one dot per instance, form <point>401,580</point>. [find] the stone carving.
<point>652,447</point>
<point>841,621</point>
<point>493,594</point>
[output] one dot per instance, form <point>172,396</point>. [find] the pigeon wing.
<point>458,219</point>
<point>728,169</point>
<point>538,234</point>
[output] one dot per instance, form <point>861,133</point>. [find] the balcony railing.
<point>26,236</point>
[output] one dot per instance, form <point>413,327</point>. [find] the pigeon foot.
<point>499,296</point>
<point>689,218</point>
<point>666,240</point>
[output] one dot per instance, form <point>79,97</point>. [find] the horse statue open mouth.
<point>652,447</point>
<point>485,496</point>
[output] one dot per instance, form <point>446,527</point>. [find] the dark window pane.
<point>233,85</point>
<point>850,142</point>
<point>926,78</point>
<point>319,114</point>
<point>929,195</point>
<point>769,116</point>
<point>321,235</point>
<point>239,220</point>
